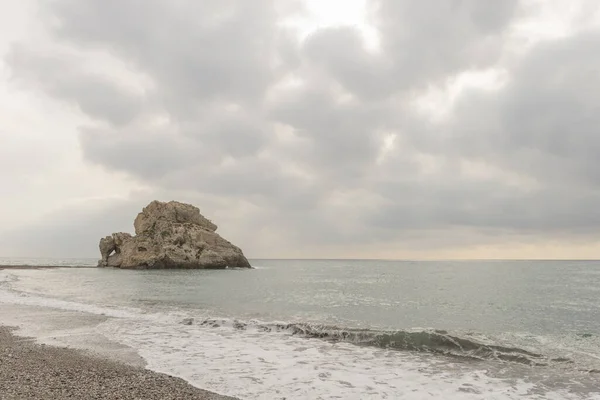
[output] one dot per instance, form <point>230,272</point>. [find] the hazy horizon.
<point>252,259</point>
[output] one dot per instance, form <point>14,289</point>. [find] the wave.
<point>428,341</point>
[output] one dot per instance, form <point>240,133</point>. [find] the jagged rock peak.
<point>172,211</point>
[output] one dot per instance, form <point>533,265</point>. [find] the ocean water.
<point>337,329</point>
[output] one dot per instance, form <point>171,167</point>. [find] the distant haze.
<point>331,128</point>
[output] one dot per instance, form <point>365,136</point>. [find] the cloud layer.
<point>330,142</point>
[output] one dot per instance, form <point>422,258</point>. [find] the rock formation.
<point>170,235</point>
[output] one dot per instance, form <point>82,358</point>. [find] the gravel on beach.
<point>25,266</point>
<point>32,371</point>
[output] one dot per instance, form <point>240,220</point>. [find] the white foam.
<point>8,296</point>
<point>250,364</point>
<point>253,365</point>
<point>16,298</point>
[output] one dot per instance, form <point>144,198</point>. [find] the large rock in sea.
<point>171,235</point>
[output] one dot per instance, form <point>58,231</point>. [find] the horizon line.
<point>345,259</point>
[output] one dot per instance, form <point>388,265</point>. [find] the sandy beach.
<point>33,371</point>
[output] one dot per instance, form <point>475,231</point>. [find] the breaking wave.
<point>430,341</point>
<point>427,341</point>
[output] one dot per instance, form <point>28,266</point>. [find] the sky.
<point>387,129</point>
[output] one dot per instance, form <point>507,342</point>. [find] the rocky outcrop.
<point>170,235</point>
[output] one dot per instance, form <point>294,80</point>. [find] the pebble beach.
<point>34,371</point>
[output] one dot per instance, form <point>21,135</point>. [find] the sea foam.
<point>278,360</point>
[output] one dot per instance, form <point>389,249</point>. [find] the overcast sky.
<point>322,128</point>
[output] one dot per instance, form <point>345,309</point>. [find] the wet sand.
<point>33,371</point>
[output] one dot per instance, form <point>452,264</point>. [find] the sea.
<point>330,329</point>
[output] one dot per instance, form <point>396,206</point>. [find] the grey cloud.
<point>61,76</point>
<point>543,123</point>
<point>541,126</point>
<point>341,51</point>
<point>551,211</point>
<point>204,141</point>
<point>552,103</point>
<point>211,64</point>
<point>341,136</point>
<point>235,133</point>
<point>196,51</point>
<point>429,41</point>
<point>422,43</point>
<point>216,66</point>
<point>144,152</point>
<point>263,182</point>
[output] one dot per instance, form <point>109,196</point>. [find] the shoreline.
<point>43,266</point>
<point>29,370</point>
